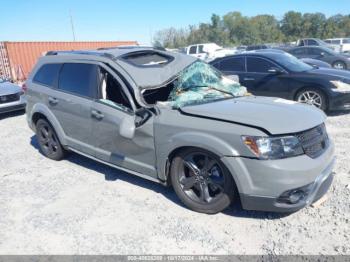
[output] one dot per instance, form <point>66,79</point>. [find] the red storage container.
<point>18,58</point>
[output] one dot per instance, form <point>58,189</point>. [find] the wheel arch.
<point>176,151</point>
<point>317,87</point>
<point>40,111</point>
<point>340,61</point>
<point>191,140</point>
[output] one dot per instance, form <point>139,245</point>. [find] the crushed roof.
<point>149,76</point>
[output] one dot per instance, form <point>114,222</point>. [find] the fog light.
<point>296,196</point>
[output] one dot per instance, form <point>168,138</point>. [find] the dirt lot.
<point>82,207</point>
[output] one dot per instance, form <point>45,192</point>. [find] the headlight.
<point>273,147</point>
<point>341,86</point>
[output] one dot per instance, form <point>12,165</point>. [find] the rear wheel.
<point>312,96</point>
<point>48,141</point>
<point>339,65</point>
<point>201,181</point>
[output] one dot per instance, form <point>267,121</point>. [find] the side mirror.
<point>322,54</point>
<point>275,70</point>
<point>127,127</point>
<point>141,116</point>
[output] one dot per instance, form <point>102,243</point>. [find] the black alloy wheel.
<point>48,140</point>
<point>201,181</point>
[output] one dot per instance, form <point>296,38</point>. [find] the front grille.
<point>9,98</point>
<point>314,141</point>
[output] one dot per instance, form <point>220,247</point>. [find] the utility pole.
<point>72,25</point>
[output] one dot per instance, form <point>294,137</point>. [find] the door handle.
<point>53,100</point>
<point>97,114</point>
<point>248,79</point>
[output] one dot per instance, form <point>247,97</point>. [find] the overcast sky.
<point>43,20</point>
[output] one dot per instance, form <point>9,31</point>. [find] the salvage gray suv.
<point>176,120</point>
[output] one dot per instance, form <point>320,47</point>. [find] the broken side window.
<point>111,92</point>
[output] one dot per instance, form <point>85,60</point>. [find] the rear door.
<point>232,66</point>
<point>299,52</point>
<point>259,81</point>
<point>315,53</point>
<point>113,121</point>
<point>312,42</point>
<point>71,103</point>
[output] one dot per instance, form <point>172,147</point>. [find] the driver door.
<point>117,139</point>
<point>261,82</point>
<point>320,54</point>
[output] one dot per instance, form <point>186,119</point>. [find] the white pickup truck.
<point>208,51</point>
<point>343,44</point>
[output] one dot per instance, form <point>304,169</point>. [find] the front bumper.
<point>318,189</point>
<point>339,101</point>
<point>261,183</point>
<point>13,106</point>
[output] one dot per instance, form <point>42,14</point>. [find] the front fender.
<point>191,139</point>
<point>44,110</point>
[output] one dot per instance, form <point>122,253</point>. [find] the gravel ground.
<point>77,206</point>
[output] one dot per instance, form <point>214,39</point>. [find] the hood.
<point>275,115</point>
<point>332,73</point>
<point>8,88</point>
<point>316,62</point>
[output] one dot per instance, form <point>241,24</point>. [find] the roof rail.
<point>123,47</point>
<point>51,53</point>
<point>133,47</point>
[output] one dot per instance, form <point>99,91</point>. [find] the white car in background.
<point>11,97</point>
<point>208,51</point>
<point>341,44</point>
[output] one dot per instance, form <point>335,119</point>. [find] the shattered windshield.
<point>201,83</point>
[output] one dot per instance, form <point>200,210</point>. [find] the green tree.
<point>292,25</point>
<point>345,26</point>
<point>333,27</point>
<point>267,28</point>
<point>313,25</point>
<point>239,29</point>
<point>171,37</point>
<point>235,29</point>
<point>217,32</point>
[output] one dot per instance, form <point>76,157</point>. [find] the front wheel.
<point>201,181</point>
<point>339,65</point>
<point>312,97</point>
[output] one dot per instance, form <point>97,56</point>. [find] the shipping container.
<point>18,58</point>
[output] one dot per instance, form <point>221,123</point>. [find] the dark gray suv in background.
<point>336,60</point>
<point>175,120</point>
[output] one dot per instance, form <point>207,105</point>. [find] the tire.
<point>312,96</point>
<point>206,188</point>
<point>48,141</point>
<point>339,65</point>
